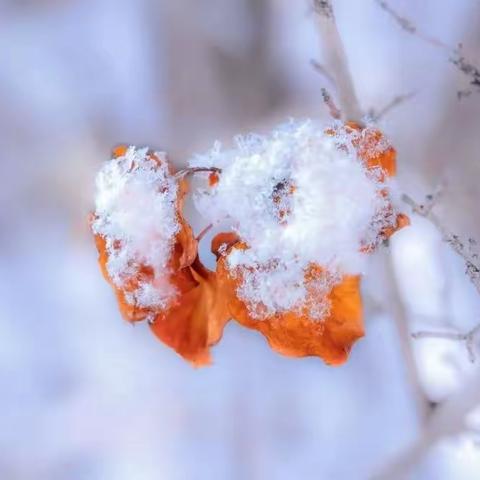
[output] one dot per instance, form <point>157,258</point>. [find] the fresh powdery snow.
<point>136,214</point>
<point>296,197</point>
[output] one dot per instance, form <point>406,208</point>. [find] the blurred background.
<point>84,395</point>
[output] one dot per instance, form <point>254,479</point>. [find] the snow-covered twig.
<point>472,263</point>
<point>336,60</point>
<point>338,68</point>
<point>468,338</point>
<point>399,314</point>
<point>448,418</point>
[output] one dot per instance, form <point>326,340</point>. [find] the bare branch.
<point>404,23</point>
<point>193,170</point>
<point>471,259</point>
<point>448,418</point>
<point>332,108</point>
<point>395,102</point>
<point>400,317</point>
<point>408,26</point>
<point>336,60</point>
<point>455,56</point>
<point>468,69</point>
<point>204,232</point>
<point>468,338</point>
<point>323,8</point>
<point>319,68</point>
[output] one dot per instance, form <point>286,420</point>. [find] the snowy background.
<point>84,395</point>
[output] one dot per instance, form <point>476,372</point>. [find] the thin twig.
<point>472,263</point>
<point>319,68</point>
<point>466,67</point>
<point>455,56</point>
<point>329,102</point>
<point>336,60</point>
<point>399,314</point>
<point>408,26</point>
<point>193,170</point>
<point>323,8</point>
<point>337,65</point>
<point>395,102</point>
<point>448,418</point>
<point>204,232</point>
<point>468,338</point>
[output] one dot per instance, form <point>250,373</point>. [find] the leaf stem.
<point>192,170</point>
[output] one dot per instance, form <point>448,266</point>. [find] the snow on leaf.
<point>305,205</point>
<point>296,333</point>
<point>301,196</point>
<point>148,253</point>
<point>138,230</point>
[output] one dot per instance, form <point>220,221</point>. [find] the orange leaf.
<point>373,148</point>
<point>183,254</point>
<point>119,151</point>
<point>295,334</point>
<point>401,221</point>
<point>213,179</point>
<point>196,321</point>
<point>131,312</point>
<point>185,250</point>
<point>222,242</point>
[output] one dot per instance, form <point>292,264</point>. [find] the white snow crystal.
<point>135,213</point>
<point>296,197</point>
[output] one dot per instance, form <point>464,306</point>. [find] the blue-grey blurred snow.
<point>85,395</point>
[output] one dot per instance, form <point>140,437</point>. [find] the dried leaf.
<point>377,153</point>
<point>295,334</point>
<point>373,148</point>
<point>222,242</point>
<point>183,254</point>
<point>196,321</point>
<point>195,318</point>
<point>130,312</point>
